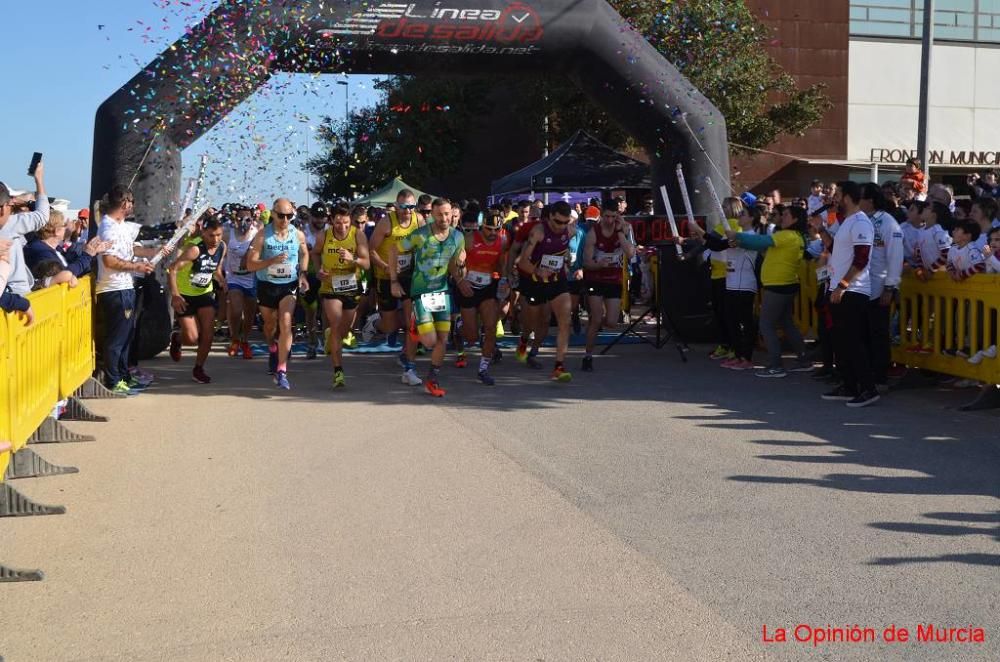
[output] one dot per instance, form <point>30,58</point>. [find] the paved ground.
<point>652,511</point>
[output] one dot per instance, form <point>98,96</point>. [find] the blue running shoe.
<point>486,378</point>
<point>281,381</point>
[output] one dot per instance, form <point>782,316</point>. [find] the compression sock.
<point>337,369</point>
<point>433,373</point>
<point>484,364</point>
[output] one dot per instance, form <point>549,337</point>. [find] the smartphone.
<point>35,160</point>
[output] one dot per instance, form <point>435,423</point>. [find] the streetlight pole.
<point>347,112</point>
<point>925,83</point>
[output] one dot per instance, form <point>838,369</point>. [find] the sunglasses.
<point>284,217</point>
<point>425,211</point>
<point>407,206</point>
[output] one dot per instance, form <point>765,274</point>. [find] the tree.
<point>720,45</point>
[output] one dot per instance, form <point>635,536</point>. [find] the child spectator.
<point>51,272</point>
<point>984,213</point>
<point>815,197</point>
<point>914,179</point>
<point>964,259</point>
<point>911,228</point>
<point>991,252</point>
<point>933,242</point>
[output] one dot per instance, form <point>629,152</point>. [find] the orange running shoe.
<point>247,352</point>
<point>432,387</point>
<point>460,361</point>
<point>234,347</point>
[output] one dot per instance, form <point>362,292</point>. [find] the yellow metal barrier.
<point>77,357</point>
<point>33,363</point>
<point>45,362</point>
<point>805,315</point>
<point>944,315</point>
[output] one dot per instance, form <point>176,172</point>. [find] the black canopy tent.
<point>582,163</point>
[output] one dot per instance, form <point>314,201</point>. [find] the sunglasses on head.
<point>284,217</point>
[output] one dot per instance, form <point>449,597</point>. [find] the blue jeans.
<point>119,313</point>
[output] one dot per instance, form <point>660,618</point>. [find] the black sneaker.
<point>841,393</point>
<point>822,373</point>
<point>497,355</point>
<point>588,364</point>
<point>863,400</point>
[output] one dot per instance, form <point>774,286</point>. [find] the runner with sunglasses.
<point>545,259</point>
<point>314,222</point>
<point>389,232</point>
<point>485,281</point>
<point>438,250</point>
<point>279,256</point>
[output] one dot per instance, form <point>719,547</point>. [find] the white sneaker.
<point>410,378</point>
<point>370,328</point>
<point>977,358</point>
<point>990,352</point>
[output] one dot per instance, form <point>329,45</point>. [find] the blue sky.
<point>67,65</point>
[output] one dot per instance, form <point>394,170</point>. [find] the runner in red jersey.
<point>485,282</point>
<point>605,252</point>
<point>534,319</point>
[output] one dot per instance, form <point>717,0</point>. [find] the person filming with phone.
<point>13,228</point>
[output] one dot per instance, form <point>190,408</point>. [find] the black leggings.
<point>741,322</point>
<point>719,311</point>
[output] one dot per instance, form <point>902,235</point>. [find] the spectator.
<point>991,253</point>
<point>733,209</point>
<point>985,186</point>
<point>964,259</point>
<point>984,213</point>
<point>914,179</point>
<point>15,226</point>
<point>962,210</point>
<point>933,242</point>
<point>886,274</point>
<point>815,201</point>
<point>50,243</point>
<point>784,252</point>
<point>647,206</point>
<point>50,272</point>
<point>116,298</point>
<point>850,265</point>
<point>10,302</point>
<point>911,228</point>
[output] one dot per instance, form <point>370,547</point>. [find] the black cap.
<point>319,209</point>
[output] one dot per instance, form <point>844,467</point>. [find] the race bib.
<point>822,273</point>
<point>348,283</point>
<point>201,280</point>
<point>552,262</point>
<point>608,259</point>
<point>479,279</point>
<point>404,262</point>
<point>282,270</point>
<point>434,302</point>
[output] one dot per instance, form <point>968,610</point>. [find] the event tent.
<point>386,194</point>
<point>582,163</point>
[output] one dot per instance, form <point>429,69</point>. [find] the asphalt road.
<point>650,511</point>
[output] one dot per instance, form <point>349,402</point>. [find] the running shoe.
<point>497,355</point>
<point>122,388</point>
<point>310,352</point>
<point>486,378</point>
<point>410,378</point>
<point>560,375</point>
<point>771,373</point>
<point>247,352</point>
<point>136,385</point>
<point>198,374</point>
<point>432,387</point>
<point>141,377</point>
<point>533,362</point>
<point>500,329</point>
<point>720,353</point>
<point>865,399</point>
<point>370,328</point>
<point>175,346</point>
<point>522,350</point>
<point>272,362</point>
<point>802,365</point>
<point>234,347</point>
<point>728,363</point>
<point>588,364</point>
<point>281,380</point>
<point>741,364</point>
<point>460,361</point>
<point>840,393</point>
<point>350,342</point>
<point>338,379</point>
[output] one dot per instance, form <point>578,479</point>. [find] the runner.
<point>534,318</point>
<point>545,259</point>
<point>241,282</point>
<point>437,251</point>
<point>341,253</point>
<point>313,226</point>
<point>390,231</point>
<point>192,296</point>
<point>605,252</point>
<point>279,256</point>
<point>511,229</point>
<point>484,283</point>
<point>577,230</point>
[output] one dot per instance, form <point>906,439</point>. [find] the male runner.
<point>279,256</point>
<point>534,318</point>
<point>544,260</point>
<point>605,252</point>
<point>484,283</point>
<point>192,297</point>
<point>438,250</point>
<point>342,253</point>
<point>389,232</point>
<point>241,282</point>
<point>314,222</point>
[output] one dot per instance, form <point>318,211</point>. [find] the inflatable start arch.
<point>142,129</point>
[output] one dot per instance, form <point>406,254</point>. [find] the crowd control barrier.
<point>48,363</point>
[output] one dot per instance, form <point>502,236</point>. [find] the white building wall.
<point>884,88</point>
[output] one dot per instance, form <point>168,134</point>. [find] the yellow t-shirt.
<point>344,277</point>
<point>783,261</point>
<point>397,234</point>
<point>719,263</point>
